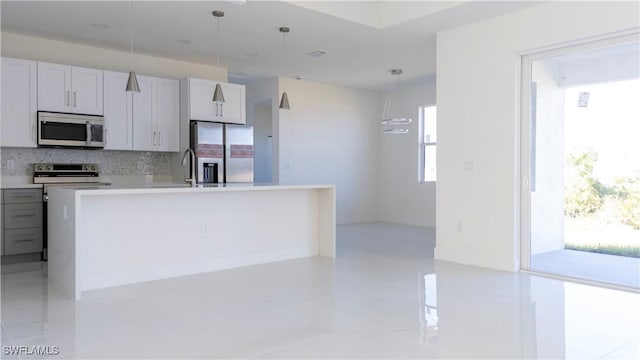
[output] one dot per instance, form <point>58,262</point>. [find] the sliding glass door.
<point>580,200</point>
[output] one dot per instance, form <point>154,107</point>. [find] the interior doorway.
<point>263,141</point>
<point>581,162</point>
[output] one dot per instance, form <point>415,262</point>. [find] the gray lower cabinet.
<point>21,221</point>
<point>22,241</point>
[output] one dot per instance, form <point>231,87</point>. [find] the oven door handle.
<point>88,133</point>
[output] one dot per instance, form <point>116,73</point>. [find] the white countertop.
<point>167,188</point>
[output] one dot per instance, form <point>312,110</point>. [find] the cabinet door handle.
<point>68,98</point>
<point>221,110</point>
<point>216,109</point>
<point>154,138</point>
<point>25,240</point>
<point>33,132</point>
<point>23,196</point>
<point>106,136</point>
<point>24,215</point>
<point>75,103</point>
<point>159,138</point>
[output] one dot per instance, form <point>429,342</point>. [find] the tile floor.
<point>383,297</point>
<point>619,270</point>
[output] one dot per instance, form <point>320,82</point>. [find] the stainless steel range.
<point>67,175</point>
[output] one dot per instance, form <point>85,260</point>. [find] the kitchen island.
<point>108,236</point>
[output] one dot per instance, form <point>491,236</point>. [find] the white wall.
<point>402,199</point>
<point>330,136</point>
<point>478,117</point>
<point>39,49</point>
<point>259,92</point>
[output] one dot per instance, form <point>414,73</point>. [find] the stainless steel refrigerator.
<point>224,152</point>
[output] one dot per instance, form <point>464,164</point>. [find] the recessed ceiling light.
<point>239,74</point>
<point>298,77</point>
<point>184,42</point>
<point>99,25</point>
<point>252,54</point>
<point>318,53</point>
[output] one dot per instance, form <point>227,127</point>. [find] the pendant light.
<point>218,96</point>
<point>390,121</point>
<point>284,102</point>
<point>132,82</point>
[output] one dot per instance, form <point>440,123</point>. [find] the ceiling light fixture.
<point>318,53</point>
<point>132,82</point>
<point>390,121</point>
<point>99,25</point>
<point>284,102</point>
<point>218,96</point>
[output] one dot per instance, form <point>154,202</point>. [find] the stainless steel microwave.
<point>70,130</point>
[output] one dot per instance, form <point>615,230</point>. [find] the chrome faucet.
<point>192,163</point>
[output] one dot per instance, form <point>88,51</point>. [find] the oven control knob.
<point>49,167</point>
<point>93,168</point>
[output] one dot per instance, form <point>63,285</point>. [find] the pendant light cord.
<point>218,41</point>
<point>131,33</point>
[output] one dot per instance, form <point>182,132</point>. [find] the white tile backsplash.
<point>111,162</point>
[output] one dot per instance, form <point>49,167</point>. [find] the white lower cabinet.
<point>19,103</point>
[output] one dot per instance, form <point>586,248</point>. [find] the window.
<point>427,145</point>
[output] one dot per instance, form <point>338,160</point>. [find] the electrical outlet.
<point>468,165</point>
<point>204,232</point>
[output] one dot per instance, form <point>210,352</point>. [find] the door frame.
<point>523,246</point>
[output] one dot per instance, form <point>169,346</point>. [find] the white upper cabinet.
<point>156,115</point>
<point>168,113</point>
<point>19,103</point>
<point>118,125</point>
<point>54,87</point>
<point>145,136</point>
<point>233,109</point>
<point>86,91</point>
<point>71,89</point>
<point>201,106</point>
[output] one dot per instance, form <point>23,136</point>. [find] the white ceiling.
<point>364,39</point>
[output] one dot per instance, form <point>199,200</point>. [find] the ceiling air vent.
<point>318,53</point>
